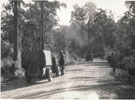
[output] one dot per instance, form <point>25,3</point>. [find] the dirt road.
<point>91,80</point>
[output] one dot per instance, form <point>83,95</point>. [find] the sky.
<point>117,6</point>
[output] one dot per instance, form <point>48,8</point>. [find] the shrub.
<point>129,64</point>
<point>89,57</point>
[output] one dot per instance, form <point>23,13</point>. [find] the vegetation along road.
<point>90,80</point>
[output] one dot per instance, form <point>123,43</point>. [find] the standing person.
<point>62,61</point>
<point>113,61</point>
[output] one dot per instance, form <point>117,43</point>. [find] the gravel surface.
<point>91,80</point>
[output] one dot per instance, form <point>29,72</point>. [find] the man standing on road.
<point>113,61</point>
<point>62,61</point>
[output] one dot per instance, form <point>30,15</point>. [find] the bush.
<point>89,57</point>
<point>113,59</point>
<point>6,60</point>
<point>129,64</point>
<point>6,75</point>
<point>6,49</point>
<point>107,53</point>
<point>126,63</point>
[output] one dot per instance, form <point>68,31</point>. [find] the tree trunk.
<point>42,25</point>
<point>88,33</point>
<point>17,38</point>
<point>33,40</point>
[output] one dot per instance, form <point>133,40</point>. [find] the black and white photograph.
<point>67,49</point>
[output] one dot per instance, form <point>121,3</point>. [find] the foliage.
<point>124,44</point>
<point>94,27</point>
<point>104,36</point>
<point>32,26</point>
<point>29,26</point>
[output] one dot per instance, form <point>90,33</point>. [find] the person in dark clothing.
<point>113,61</point>
<point>62,61</point>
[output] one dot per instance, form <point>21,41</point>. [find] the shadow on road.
<point>18,83</point>
<point>74,70</point>
<point>106,89</point>
<point>83,78</point>
<point>97,64</point>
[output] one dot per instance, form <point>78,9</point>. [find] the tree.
<point>32,25</point>
<point>104,27</point>
<point>131,6</point>
<point>11,29</point>
<point>94,25</point>
<point>29,24</point>
<point>90,10</point>
<point>84,16</point>
<point>124,40</point>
